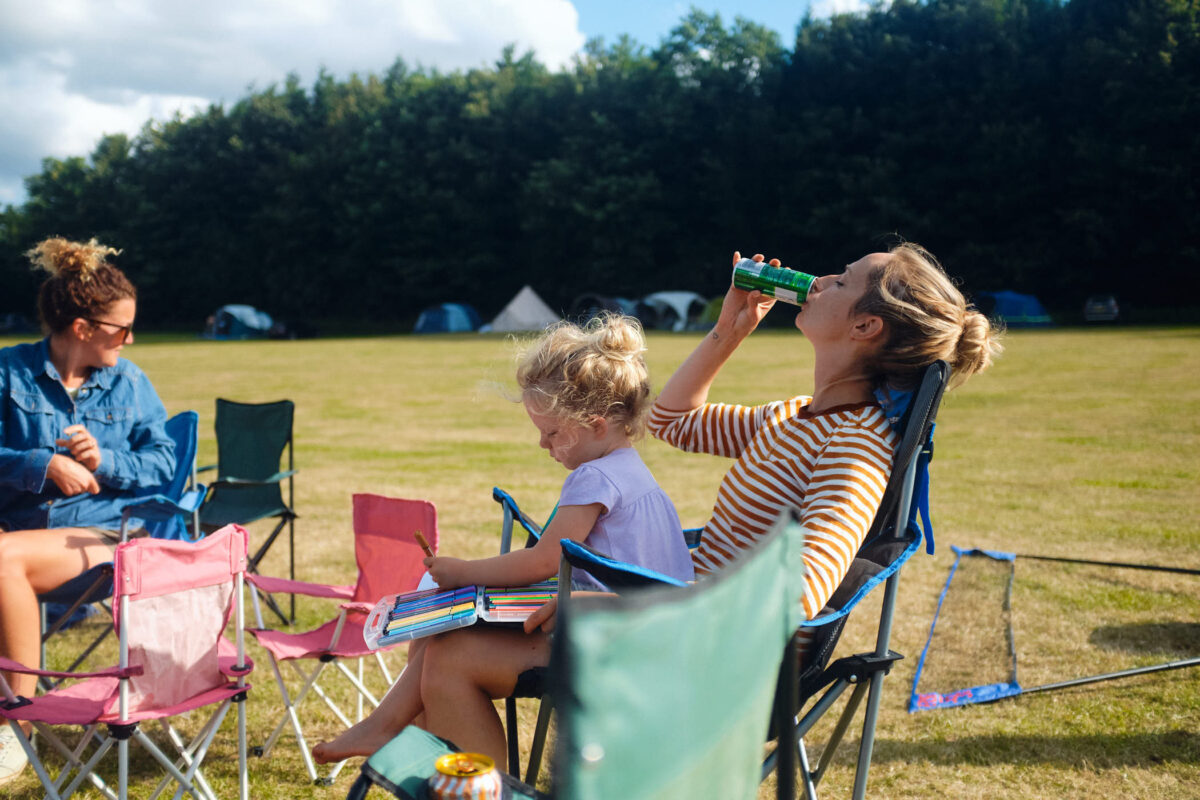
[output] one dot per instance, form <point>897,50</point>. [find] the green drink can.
<point>781,283</point>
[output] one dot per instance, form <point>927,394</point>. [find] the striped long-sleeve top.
<point>832,465</point>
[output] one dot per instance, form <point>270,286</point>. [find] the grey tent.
<point>676,311</point>
<point>525,312</point>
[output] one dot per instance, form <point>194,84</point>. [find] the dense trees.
<point>1033,145</point>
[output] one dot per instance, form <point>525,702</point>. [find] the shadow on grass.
<point>1179,639</point>
<point>1073,752</point>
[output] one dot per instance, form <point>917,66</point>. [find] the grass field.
<point>1080,443</point>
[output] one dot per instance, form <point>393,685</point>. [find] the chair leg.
<point>538,746</point>
<point>359,790</point>
<point>510,727</point>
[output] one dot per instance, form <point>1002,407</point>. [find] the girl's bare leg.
<point>464,672</point>
<point>400,707</point>
<point>32,562</point>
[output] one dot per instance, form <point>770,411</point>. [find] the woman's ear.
<point>81,328</point>
<point>867,327</point>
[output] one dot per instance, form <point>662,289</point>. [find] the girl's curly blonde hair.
<point>593,370</point>
<point>82,283</point>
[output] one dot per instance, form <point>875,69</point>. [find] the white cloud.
<point>73,70</point>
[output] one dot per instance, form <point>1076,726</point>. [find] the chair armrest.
<point>159,506</point>
<point>230,480</point>
<point>614,574</point>
<point>283,585</point>
<point>358,608</point>
<point>110,672</point>
<point>228,666</point>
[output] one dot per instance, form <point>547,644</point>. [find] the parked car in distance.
<point>1101,308</point>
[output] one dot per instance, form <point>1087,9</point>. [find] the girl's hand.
<point>543,618</point>
<point>450,573</point>
<point>83,446</point>
<point>70,476</point>
<point>741,311</point>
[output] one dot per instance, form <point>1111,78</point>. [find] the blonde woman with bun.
<point>81,429</point>
<point>874,327</point>
<point>586,390</point>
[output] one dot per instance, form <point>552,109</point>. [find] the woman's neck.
<point>840,383</point>
<point>71,370</point>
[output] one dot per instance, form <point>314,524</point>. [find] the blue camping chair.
<point>640,720</point>
<point>168,511</point>
<point>900,525</point>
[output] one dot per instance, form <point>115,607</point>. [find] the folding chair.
<point>168,511</point>
<point>894,536</point>
<point>664,692</point>
<point>389,561</point>
<point>532,683</point>
<point>251,441</point>
<point>173,602</point>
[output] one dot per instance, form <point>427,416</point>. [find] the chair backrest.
<point>667,692</point>
<point>172,601</point>
<point>183,428</point>
<point>251,441</point>
<point>251,437</point>
<point>385,547</point>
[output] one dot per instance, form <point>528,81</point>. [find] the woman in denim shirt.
<point>80,430</point>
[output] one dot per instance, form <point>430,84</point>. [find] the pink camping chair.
<point>389,561</point>
<point>173,601</point>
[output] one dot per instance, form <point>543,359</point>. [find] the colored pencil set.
<point>412,615</point>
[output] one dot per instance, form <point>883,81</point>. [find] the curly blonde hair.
<point>925,318</point>
<point>82,282</point>
<point>591,370</point>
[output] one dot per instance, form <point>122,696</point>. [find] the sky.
<point>72,71</point>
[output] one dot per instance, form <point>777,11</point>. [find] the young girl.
<point>586,390</point>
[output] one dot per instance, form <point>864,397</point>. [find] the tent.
<point>586,306</point>
<point>238,322</point>
<point>1017,310</point>
<point>677,311</point>
<point>447,318</point>
<point>525,312</point>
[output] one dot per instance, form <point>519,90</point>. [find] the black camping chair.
<point>252,441</point>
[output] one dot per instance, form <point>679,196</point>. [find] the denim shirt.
<point>117,405</point>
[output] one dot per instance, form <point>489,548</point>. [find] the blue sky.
<point>72,71</point>
<point>649,22</point>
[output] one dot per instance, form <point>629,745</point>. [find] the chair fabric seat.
<point>287,646</point>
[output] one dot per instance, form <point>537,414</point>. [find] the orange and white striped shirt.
<point>831,465</point>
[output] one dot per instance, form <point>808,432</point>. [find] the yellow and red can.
<point>465,776</point>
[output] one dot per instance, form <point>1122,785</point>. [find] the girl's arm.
<point>741,312</point>
<point>520,567</point>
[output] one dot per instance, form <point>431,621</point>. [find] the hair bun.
<point>59,256</point>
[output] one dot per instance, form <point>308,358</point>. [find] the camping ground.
<point>1078,443</point>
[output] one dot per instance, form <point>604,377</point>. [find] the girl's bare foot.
<point>356,741</point>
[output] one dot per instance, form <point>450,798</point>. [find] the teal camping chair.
<point>664,692</point>
<point>169,511</point>
<point>252,439</point>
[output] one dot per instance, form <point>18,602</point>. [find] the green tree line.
<point>1034,145</point>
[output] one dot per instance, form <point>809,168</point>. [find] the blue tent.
<point>1017,310</point>
<point>447,318</point>
<point>238,322</point>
